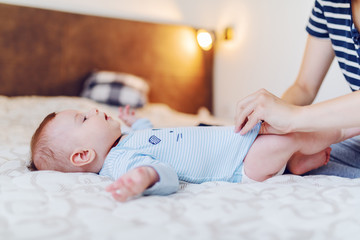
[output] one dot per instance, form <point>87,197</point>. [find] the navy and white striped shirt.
<point>333,19</point>
<point>191,154</point>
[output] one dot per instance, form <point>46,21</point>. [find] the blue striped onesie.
<point>333,19</point>
<point>191,154</point>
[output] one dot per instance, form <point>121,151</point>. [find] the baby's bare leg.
<point>270,153</point>
<point>267,155</point>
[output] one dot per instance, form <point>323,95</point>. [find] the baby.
<point>152,161</point>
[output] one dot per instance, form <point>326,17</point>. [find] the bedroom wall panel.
<point>50,53</point>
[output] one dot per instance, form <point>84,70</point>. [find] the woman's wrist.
<point>300,120</point>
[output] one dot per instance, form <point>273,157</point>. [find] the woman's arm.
<point>317,58</point>
<point>282,117</point>
<point>340,112</point>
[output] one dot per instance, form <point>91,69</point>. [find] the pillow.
<point>115,88</point>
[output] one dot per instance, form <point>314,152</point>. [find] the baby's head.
<point>73,141</point>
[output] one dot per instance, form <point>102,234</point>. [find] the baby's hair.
<point>40,144</point>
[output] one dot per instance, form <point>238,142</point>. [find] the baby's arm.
<point>147,177</point>
<point>127,115</point>
<point>133,183</point>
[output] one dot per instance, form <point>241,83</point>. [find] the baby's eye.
<point>85,118</point>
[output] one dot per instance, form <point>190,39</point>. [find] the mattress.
<point>54,205</point>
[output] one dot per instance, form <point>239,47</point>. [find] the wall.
<point>265,53</point>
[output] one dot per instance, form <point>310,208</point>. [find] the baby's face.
<point>92,129</point>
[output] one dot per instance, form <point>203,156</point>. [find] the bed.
<point>36,80</point>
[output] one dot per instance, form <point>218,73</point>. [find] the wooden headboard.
<point>45,52</point>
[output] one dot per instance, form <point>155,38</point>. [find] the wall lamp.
<point>207,38</point>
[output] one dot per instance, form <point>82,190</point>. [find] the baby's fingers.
<point>123,188</point>
<point>121,112</point>
<point>122,195</point>
<point>119,191</point>
<point>127,109</point>
<point>110,188</point>
<point>119,196</point>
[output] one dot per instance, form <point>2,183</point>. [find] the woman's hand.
<point>276,114</point>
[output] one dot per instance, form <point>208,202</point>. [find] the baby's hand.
<point>133,183</point>
<point>127,115</point>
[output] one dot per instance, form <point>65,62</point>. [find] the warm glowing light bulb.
<point>204,39</point>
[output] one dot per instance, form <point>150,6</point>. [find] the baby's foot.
<point>300,164</point>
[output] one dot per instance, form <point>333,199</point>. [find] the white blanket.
<point>54,205</point>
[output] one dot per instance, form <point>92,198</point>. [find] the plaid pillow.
<point>116,88</point>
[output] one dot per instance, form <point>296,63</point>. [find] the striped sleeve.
<point>317,23</point>
<point>121,161</point>
<point>168,180</point>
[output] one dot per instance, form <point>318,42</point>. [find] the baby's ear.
<point>82,156</point>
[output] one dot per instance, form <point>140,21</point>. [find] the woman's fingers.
<point>250,123</point>
<point>249,111</point>
<point>276,114</point>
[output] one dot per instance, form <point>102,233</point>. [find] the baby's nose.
<point>94,111</point>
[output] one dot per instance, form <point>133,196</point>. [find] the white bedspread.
<point>54,205</point>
